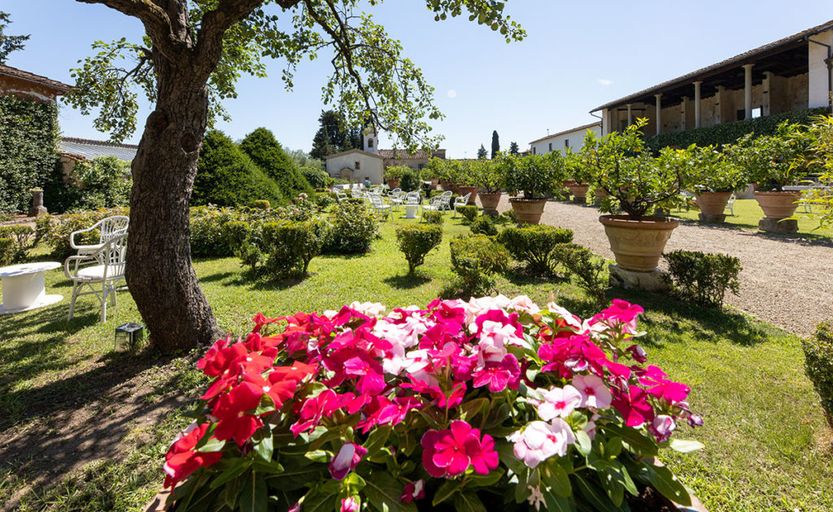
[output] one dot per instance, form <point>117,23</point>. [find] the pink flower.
<point>559,402</point>
<point>594,392</point>
<point>413,491</point>
<point>539,441</point>
<point>383,411</point>
<point>346,460</point>
<point>451,452</point>
<point>633,405</point>
<point>662,427</point>
<point>656,382</point>
<point>499,375</point>
<point>349,504</point>
<point>322,405</point>
<point>620,315</point>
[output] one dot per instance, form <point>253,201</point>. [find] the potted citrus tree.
<point>773,163</point>
<point>468,178</point>
<point>713,177</point>
<point>643,185</point>
<point>491,179</point>
<point>532,179</point>
<point>579,182</point>
<point>393,175</point>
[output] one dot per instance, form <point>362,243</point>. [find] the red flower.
<point>633,405</point>
<point>260,320</point>
<point>182,458</point>
<point>234,413</point>
<point>322,405</point>
<point>451,452</point>
<point>346,460</point>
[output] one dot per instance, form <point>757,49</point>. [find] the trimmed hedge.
<point>476,259</point>
<point>265,151</point>
<point>535,245</point>
<point>228,177</point>
<point>818,364</point>
<point>703,278</point>
<point>728,133</point>
<point>28,149</point>
<point>354,227</point>
<point>417,240</point>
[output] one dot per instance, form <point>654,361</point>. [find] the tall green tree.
<point>189,60</point>
<point>8,43</point>
<point>482,154</point>
<point>513,148</point>
<point>334,134</point>
<point>495,143</point>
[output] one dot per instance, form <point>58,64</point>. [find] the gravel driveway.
<point>785,281</point>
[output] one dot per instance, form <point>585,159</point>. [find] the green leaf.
<point>583,443</point>
<point>661,479</point>
<point>212,445</point>
<point>377,439</point>
<point>635,440</point>
<point>468,502</point>
<point>686,445</point>
<point>323,498</point>
<point>321,456</point>
<point>253,497</point>
<point>611,483</point>
<point>446,491</point>
<point>297,478</point>
<point>593,497</point>
<point>557,503</point>
<point>555,478</point>
<point>238,467</point>
<point>472,408</point>
<point>264,448</point>
<point>489,480</point>
<point>383,491</point>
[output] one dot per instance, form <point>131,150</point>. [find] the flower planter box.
<point>490,201</point>
<point>637,244</point>
<point>712,205</point>
<point>528,211</point>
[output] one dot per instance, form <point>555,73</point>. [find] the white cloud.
<point>605,81</point>
<point>451,93</point>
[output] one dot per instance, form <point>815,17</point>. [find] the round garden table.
<point>411,211</point>
<point>24,288</point>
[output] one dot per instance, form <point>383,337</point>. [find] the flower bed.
<point>454,405</point>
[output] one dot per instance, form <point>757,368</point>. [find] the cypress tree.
<point>495,143</point>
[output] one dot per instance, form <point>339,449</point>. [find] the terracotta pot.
<point>712,205</point>
<point>778,205</point>
<point>465,189</point>
<point>434,183</point>
<point>394,183</point>
<point>528,211</point>
<point>637,244</point>
<point>579,192</point>
<point>445,184</point>
<point>490,200</point>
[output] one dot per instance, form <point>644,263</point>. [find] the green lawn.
<point>748,213</point>
<point>767,447</point>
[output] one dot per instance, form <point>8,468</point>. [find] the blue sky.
<point>577,56</point>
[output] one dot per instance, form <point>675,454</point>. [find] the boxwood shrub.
<point>289,246</point>
<point>703,278</point>
<point>468,212</point>
<point>354,227</point>
<point>432,217</point>
<point>587,268</point>
<point>535,245</point>
<point>476,259</point>
<point>417,240</point>
<point>22,237</point>
<point>818,363</point>
<point>7,251</point>
<point>484,225</point>
<point>265,151</point>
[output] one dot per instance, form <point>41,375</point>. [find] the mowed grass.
<point>767,446</point>
<point>748,213</point>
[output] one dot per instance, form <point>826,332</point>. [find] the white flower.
<point>594,392</point>
<point>536,498</point>
<point>372,309</point>
<point>558,402</point>
<point>524,304</point>
<point>539,441</point>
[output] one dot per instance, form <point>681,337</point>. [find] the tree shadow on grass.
<point>218,276</point>
<point>407,281</point>
<point>805,239</point>
<point>683,322</point>
<point>521,275</point>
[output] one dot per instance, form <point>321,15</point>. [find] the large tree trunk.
<point>159,272</point>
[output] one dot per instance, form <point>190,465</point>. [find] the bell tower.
<point>371,141</point>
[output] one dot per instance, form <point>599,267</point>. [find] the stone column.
<point>697,85</point>
<point>630,116</point>
<point>659,112</point>
<point>767,93</point>
<point>37,207</point>
<point>747,90</point>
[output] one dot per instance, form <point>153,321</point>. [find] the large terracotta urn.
<point>579,192</point>
<point>528,211</point>
<point>465,189</point>
<point>393,183</point>
<point>778,205</point>
<point>489,201</point>
<point>712,205</point>
<point>637,244</point>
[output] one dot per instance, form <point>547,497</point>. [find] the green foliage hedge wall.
<point>28,142</point>
<point>730,132</point>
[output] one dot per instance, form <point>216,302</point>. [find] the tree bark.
<point>159,271</point>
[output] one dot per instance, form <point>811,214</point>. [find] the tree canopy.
<point>371,78</point>
<point>334,134</point>
<point>513,148</point>
<point>482,154</point>
<point>495,143</point>
<point>9,43</point>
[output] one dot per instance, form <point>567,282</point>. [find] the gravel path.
<point>785,281</point>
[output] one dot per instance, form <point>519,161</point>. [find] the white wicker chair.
<point>381,209</point>
<point>108,228</point>
<point>461,201</point>
<point>100,272</point>
<point>730,205</point>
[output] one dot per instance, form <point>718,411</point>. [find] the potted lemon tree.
<point>468,178</point>
<point>713,178</point>
<point>532,179</point>
<point>491,178</point>
<point>774,162</point>
<point>643,186</point>
<point>579,176</point>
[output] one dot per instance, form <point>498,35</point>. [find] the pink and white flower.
<point>346,460</point>
<point>594,392</point>
<point>539,441</point>
<point>559,402</point>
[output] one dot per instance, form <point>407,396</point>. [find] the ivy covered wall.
<point>28,148</point>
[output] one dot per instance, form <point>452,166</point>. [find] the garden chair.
<point>99,273</point>
<point>461,201</point>
<point>109,227</point>
<point>341,196</point>
<point>381,209</point>
<point>731,204</point>
<point>437,204</point>
<point>356,193</point>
